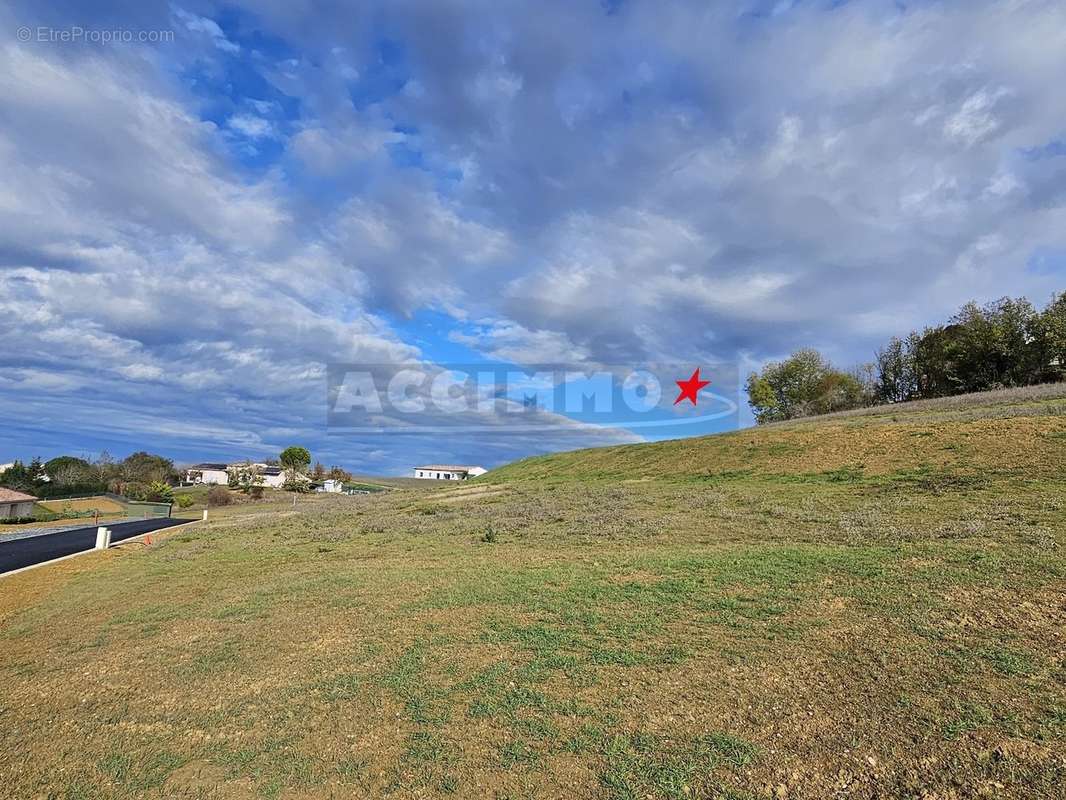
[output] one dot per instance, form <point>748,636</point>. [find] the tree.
<point>784,388</point>
<point>1004,343</point>
<point>1000,344</point>
<point>106,466</point>
<point>837,391</point>
<point>36,470</point>
<point>69,476</point>
<point>295,481</point>
<point>142,467</point>
<point>134,474</point>
<point>1053,335</point>
<point>319,472</point>
<point>339,474</point>
<point>996,344</point>
<point>69,469</point>
<point>803,384</point>
<point>247,478</point>
<point>295,458</point>
<point>897,377</point>
<point>23,478</point>
<point>233,479</point>
<point>159,492</point>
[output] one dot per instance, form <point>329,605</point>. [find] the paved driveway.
<point>36,549</point>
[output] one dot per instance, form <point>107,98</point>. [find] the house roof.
<point>274,471</point>
<point>209,466</point>
<point>11,496</point>
<point>449,467</point>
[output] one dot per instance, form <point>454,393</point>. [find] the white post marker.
<point>205,515</point>
<point>103,538</point>
<point>107,538</point>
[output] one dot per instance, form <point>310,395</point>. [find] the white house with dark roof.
<point>448,472</point>
<point>275,477</point>
<point>211,473</point>
<point>208,473</point>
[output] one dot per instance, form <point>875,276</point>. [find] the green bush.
<point>160,492</point>
<point>135,491</point>
<point>184,500</point>
<point>294,484</point>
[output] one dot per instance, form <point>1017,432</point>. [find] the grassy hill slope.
<point>1008,430</point>
<point>859,606</point>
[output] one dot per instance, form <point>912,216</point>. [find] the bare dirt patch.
<point>456,496</point>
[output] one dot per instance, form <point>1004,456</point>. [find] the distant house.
<point>218,474</point>
<point>331,485</point>
<point>15,504</point>
<point>273,477</point>
<point>208,473</point>
<point>448,472</point>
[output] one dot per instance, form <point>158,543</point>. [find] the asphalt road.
<point>35,549</point>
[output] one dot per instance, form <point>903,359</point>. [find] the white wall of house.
<point>213,476</point>
<point>439,475</point>
<point>445,473</point>
<point>274,481</point>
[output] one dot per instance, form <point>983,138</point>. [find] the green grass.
<point>645,765</point>
<point>868,604</point>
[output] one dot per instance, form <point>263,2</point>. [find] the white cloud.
<point>207,27</point>
<point>976,119</point>
<point>251,126</point>
<point>331,150</point>
<point>507,341</point>
<point>677,183</point>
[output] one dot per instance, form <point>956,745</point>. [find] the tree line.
<point>145,476</point>
<point>139,476</point>
<point>1002,344</point>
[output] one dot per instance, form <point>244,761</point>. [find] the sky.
<point>203,206</point>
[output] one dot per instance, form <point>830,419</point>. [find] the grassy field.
<point>863,606</point>
<point>242,503</point>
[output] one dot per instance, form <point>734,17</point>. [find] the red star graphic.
<point>690,388</point>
